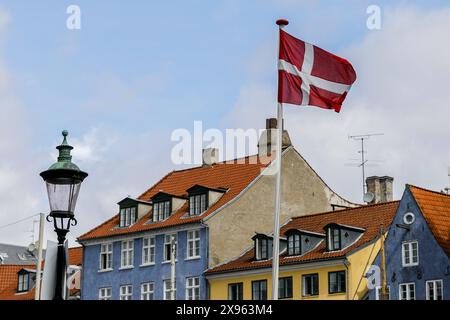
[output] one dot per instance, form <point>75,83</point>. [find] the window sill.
<point>105,270</point>
<point>168,262</point>
<point>336,293</point>
<point>126,268</point>
<point>410,265</point>
<point>147,264</point>
<point>193,258</point>
<point>311,296</point>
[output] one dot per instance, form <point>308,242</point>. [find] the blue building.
<point>417,248</point>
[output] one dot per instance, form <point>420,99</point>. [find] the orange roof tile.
<point>369,217</point>
<point>9,277</point>
<point>233,175</point>
<point>76,256</point>
<point>435,207</point>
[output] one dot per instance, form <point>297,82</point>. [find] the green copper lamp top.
<point>64,157</point>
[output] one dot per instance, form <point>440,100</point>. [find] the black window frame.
<point>238,288</point>
<point>294,251</point>
<point>122,214</point>
<point>261,241</point>
<point>313,276</point>
<point>285,291</point>
<point>28,284</point>
<point>260,289</point>
<point>331,244</point>
<point>344,281</point>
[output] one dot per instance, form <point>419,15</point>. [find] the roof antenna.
<point>367,196</point>
<point>447,189</point>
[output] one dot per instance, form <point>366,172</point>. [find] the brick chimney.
<point>267,141</point>
<point>381,187</point>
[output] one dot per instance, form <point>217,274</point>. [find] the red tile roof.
<point>435,207</point>
<point>235,176</point>
<point>8,283</point>
<point>9,277</point>
<point>370,218</point>
<point>76,256</point>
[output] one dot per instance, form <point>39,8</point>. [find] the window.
<point>193,288</point>
<point>24,281</point>
<point>167,246</point>
<point>263,248</point>
<point>167,289</point>
<point>126,260</point>
<point>294,244</point>
<point>106,256</point>
<point>407,291</point>
<point>434,290</point>
<point>161,210</point>
<point>378,293</point>
<point>127,216</point>
<point>334,239</point>
<point>336,282</point>
<point>197,204</point>
<point>104,294</point>
<point>193,244</point>
<point>259,290</point>
<point>147,291</point>
<point>310,283</point>
<point>126,292</point>
<point>410,253</point>
<point>235,291</point>
<point>148,250</point>
<point>285,288</point>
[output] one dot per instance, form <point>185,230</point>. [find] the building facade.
<point>322,256</point>
<point>417,248</point>
<point>219,204</point>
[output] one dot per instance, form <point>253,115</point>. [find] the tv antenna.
<point>367,196</point>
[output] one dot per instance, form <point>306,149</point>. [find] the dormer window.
<point>26,280</point>
<point>263,247</point>
<point>197,204</point>
<point>334,239</point>
<point>128,216</point>
<point>294,244</point>
<point>161,210</point>
<point>341,236</point>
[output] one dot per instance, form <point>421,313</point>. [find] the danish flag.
<point>309,75</point>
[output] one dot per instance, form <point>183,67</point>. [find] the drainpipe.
<point>347,278</point>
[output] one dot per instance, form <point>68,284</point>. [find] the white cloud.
<point>403,74</point>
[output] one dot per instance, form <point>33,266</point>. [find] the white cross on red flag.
<point>309,75</point>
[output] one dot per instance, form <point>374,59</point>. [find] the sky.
<point>134,73</point>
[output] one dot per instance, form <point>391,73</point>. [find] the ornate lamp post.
<point>63,180</point>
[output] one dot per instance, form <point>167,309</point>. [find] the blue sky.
<point>136,72</point>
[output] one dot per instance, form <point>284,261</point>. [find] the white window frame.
<point>128,217</point>
<point>127,254</point>
<point>167,246</point>
<point>106,249</point>
<point>167,289</point>
<point>193,244</point>
<point>148,291</point>
<point>408,292</point>
<point>126,294</point>
<point>105,293</point>
<point>150,248</point>
<point>378,292</point>
<point>407,251</point>
<point>192,286</point>
<point>434,282</point>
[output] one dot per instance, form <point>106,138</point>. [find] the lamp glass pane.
<point>63,197</point>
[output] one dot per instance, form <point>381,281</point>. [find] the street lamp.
<point>63,180</point>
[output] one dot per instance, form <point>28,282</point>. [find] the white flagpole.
<point>276,228</point>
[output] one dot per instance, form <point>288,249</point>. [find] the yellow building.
<point>322,256</point>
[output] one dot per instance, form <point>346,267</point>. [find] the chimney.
<point>381,188</point>
<point>267,141</point>
<point>210,156</point>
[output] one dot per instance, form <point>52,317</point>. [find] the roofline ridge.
<point>155,184</point>
<point>348,209</point>
<point>97,227</point>
<point>428,190</point>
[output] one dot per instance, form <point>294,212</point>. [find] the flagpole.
<point>276,228</point>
